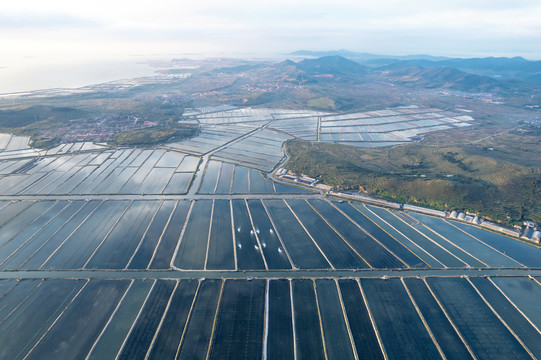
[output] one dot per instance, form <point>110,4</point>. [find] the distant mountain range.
<point>498,68</point>
<point>446,77</point>
<point>516,68</point>
<point>404,72</point>
<point>364,56</point>
<point>307,69</point>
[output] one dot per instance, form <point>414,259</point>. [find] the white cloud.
<point>43,21</point>
<point>102,27</point>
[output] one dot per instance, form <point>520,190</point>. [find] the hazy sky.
<point>73,29</point>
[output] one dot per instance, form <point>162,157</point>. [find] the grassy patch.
<point>322,103</point>
<point>152,136</point>
<point>45,144</point>
<point>25,117</point>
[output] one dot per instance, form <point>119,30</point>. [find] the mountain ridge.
<point>515,68</point>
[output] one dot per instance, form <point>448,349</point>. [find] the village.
<point>97,129</point>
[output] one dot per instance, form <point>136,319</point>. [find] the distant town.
<point>99,128</point>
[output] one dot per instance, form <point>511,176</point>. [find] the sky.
<point>65,31</point>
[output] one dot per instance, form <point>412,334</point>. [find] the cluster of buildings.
<point>266,86</point>
<point>485,97</point>
<point>98,129</point>
<point>467,217</point>
<point>535,122</point>
<point>532,232</point>
<point>284,174</point>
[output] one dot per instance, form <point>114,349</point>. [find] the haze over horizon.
<point>62,31</point>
